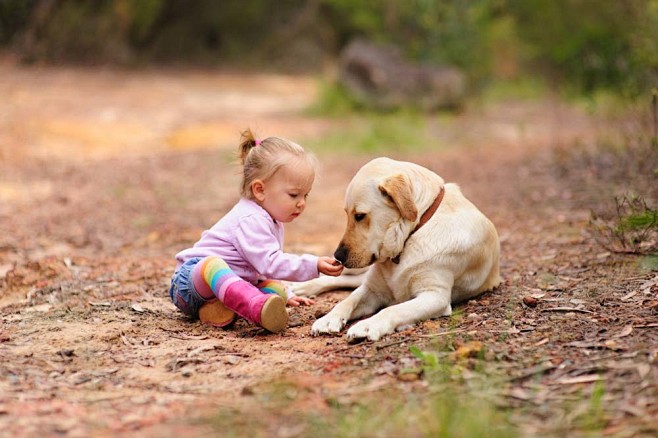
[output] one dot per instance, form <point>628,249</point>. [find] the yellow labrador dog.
<point>425,245</point>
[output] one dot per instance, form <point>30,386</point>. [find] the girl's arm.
<point>257,242</point>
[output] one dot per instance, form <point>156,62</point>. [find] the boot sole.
<point>216,314</point>
<point>273,315</point>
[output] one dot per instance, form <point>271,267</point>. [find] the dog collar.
<point>423,220</point>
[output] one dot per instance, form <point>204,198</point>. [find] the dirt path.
<point>105,175</point>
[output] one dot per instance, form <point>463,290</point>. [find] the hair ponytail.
<point>247,143</point>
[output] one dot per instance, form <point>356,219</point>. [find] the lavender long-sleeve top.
<point>251,243</point>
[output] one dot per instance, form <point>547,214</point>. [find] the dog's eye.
<point>359,217</point>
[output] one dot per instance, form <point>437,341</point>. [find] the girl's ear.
<point>258,190</point>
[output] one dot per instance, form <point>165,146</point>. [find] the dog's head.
<point>381,205</point>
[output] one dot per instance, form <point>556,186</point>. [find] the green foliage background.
<point>585,45</point>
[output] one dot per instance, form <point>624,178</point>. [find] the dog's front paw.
<point>368,329</point>
<point>328,324</point>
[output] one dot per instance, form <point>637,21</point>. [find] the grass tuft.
<point>632,227</point>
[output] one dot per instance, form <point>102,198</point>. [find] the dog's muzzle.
<point>341,254</point>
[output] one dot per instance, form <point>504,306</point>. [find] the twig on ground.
<point>566,309</point>
<point>354,356</point>
<point>541,369</point>
<point>390,344</point>
<point>452,332</point>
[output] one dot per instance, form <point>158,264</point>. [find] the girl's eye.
<point>293,195</point>
<point>359,217</point>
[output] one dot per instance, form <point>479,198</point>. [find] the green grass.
<point>458,400</point>
<point>443,412</point>
<point>379,133</point>
<point>594,418</point>
<point>524,88</point>
<point>648,263</point>
<point>463,394</point>
<point>635,221</point>
<point>367,131</point>
<point>333,101</point>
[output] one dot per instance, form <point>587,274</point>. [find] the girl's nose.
<point>301,203</point>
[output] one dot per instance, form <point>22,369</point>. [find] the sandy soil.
<point>106,174</point>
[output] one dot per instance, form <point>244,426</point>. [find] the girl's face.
<point>284,194</point>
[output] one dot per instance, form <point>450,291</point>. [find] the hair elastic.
<point>257,142</point>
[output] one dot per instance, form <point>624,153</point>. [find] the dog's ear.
<point>397,189</point>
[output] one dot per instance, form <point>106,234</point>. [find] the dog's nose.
<point>341,254</point>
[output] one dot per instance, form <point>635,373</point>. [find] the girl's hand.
<point>330,266</point>
<point>300,301</point>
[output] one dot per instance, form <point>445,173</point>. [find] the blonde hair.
<point>261,159</point>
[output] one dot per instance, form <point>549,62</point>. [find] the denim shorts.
<point>182,291</point>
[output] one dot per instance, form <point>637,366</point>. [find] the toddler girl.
<point>233,268</point>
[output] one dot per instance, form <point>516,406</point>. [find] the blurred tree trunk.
<point>29,39</point>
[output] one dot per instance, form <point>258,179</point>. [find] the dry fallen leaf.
<point>470,349</point>
<point>625,332</point>
<point>643,370</point>
<point>4,269</point>
<point>408,376</point>
<point>232,359</point>
<point>137,308</point>
<point>520,394</point>
<point>579,379</point>
<point>629,296</point>
<point>530,301</point>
